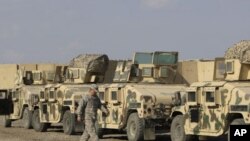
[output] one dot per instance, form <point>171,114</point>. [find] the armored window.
<point>34,99</point>
<point>191,96</point>
<point>229,67</point>
<point>143,58</point>
<point>75,74</point>
<point>51,94</point>
<point>50,76</point>
<point>163,72</point>
<point>147,72</point>
<point>165,58</point>
<point>37,76</point>
<point>101,95</point>
<point>42,95</point>
<point>209,96</point>
<point>113,95</point>
<point>220,68</point>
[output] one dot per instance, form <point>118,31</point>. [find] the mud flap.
<point>149,133</point>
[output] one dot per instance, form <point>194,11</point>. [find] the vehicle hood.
<point>160,93</point>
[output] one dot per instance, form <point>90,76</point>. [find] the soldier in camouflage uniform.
<point>88,107</point>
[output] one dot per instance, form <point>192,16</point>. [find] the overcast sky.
<point>57,30</point>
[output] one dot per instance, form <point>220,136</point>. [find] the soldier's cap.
<point>94,87</point>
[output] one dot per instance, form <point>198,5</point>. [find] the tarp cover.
<point>91,62</point>
<point>239,51</point>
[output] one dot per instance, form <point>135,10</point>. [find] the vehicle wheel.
<point>27,118</point>
<point>37,125</point>
<point>135,128</point>
<point>238,121</point>
<point>177,130</point>
<point>99,131</point>
<point>69,123</point>
<point>7,121</point>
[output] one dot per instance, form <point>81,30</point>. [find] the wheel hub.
<point>132,128</point>
<point>178,130</point>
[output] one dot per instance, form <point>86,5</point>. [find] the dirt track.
<point>17,133</point>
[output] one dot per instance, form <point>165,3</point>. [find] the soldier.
<point>88,107</point>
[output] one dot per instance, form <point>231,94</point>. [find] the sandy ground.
<point>17,133</point>
<point>55,133</point>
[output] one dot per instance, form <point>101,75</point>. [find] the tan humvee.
<point>58,102</point>
<point>211,107</point>
<point>20,87</point>
<point>138,96</point>
<point>142,95</point>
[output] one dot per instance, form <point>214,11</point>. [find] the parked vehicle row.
<point>152,91</point>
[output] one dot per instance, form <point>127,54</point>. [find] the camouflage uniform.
<point>88,107</point>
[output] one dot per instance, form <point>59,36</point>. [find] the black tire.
<point>7,122</point>
<point>69,121</point>
<point>177,131</point>
<point>27,119</point>
<point>37,125</point>
<point>135,128</point>
<point>99,131</point>
<point>238,121</point>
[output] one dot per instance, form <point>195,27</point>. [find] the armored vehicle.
<point>139,99</point>
<point>19,89</point>
<point>7,83</point>
<point>142,95</point>
<point>209,108</point>
<point>58,102</point>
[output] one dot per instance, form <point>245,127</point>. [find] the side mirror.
<point>230,67</point>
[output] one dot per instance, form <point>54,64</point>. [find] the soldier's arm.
<point>81,107</point>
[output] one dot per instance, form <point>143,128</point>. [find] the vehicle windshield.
<point>165,58</point>
<point>158,58</point>
<point>143,58</point>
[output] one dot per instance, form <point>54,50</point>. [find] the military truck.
<point>58,102</point>
<point>209,108</point>
<point>139,98</point>
<point>20,87</point>
<point>7,83</point>
<point>142,95</point>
